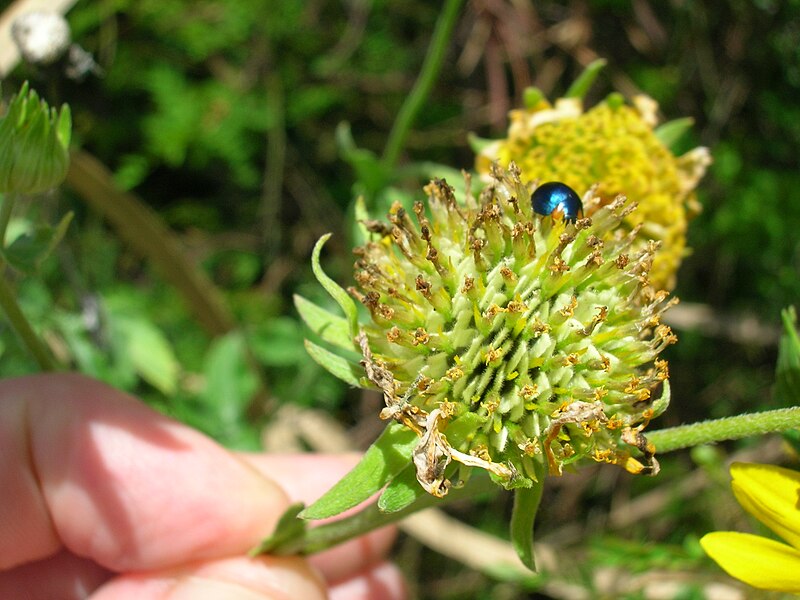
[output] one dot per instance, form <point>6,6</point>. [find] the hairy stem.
<point>315,539</point>
<point>729,428</point>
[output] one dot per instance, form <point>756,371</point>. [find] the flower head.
<point>34,144</point>
<point>615,146</point>
<point>772,495</point>
<point>513,341</point>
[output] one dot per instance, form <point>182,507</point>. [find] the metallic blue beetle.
<point>556,196</point>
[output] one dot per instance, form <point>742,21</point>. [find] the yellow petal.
<point>757,561</point>
<point>771,494</point>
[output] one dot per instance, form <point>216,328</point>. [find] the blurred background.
<point>218,140</point>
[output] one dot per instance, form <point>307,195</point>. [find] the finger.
<point>91,468</point>
<point>77,577</point>
<point>305,477</point>
<point>271,577</point>
<point>381,582</point>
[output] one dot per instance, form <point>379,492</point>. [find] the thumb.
<point>263,578</point>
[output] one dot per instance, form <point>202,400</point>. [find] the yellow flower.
<point>615,146</point>
<point>772,495</point>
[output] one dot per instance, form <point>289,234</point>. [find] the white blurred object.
<point>80,63</point>
<point>9,53</point>
<point>41,37</point>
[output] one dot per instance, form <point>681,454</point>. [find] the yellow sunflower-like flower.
<point>616,146</point>
<point>510,336</point>
<point>772,495</point>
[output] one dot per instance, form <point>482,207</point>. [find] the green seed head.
<point>34,143</point>
<point>509,340</point>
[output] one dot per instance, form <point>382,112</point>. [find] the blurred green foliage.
<point>223,117</point>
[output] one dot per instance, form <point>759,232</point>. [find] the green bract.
<point>34,143</point>
<point>504,341</point>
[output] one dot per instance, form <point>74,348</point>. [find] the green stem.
<point>23,329</point>
<point>273,169</point>
<point>317,539</point>
<point>8,300</point>
<point>422,87</point>
<point>730,428</point>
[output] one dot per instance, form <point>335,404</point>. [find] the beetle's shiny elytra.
<point>554,197</point>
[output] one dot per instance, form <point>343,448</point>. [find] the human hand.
<point>102,497</point>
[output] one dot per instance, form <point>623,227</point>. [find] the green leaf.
<point>581,85</point>
<point>526,503</point>
<point>477,143</point>
<point>278,342</point>
<point>289,530</point>
<point>401,491</point>
<point>671,132</point>
<point>383,460</point>
<point>368,168</point>
<point>341,297</point>
<point>230,386</point>
<point>148,350</point>
<point>787,371</point>
<point>331,328</point>
<point>29,250</point>
<point>339,367</point>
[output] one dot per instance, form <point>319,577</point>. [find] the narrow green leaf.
<point>369,518</point>
<point>526,503</point>
<point>339,367</point>
<point>671,132</point>
<point>331,328</point>
<point>289,531</point>
<point>360,234</point>
<point>660,405</point>
<point>230,381</point>
<point>787,371</point>
<point>401,491</point>
<point>60,231</point>
<point>585,80</point>
<point>383,460</point>
<point>64,126</point>
<point>151,355</point>
<point>341,297</point>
